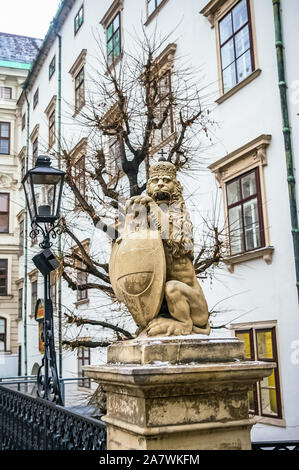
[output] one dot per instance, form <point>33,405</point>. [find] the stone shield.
<point>137,272</point>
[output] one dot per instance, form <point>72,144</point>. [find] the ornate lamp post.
<point>43,190</point>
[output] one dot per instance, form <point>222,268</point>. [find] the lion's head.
<point>162,184</point>
<point>164,188</point>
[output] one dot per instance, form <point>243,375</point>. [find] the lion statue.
<point>184,309</point>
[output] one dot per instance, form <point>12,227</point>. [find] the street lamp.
<point>43,190</point>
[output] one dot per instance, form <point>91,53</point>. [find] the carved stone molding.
<point>266,253</point>
<point>216,8</point>
<point>7,181</point>
<point>252,154</point>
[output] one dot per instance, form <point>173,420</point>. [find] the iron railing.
<point>283,445</point>
<point>28,423</point>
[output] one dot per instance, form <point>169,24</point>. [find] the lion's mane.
<point>180,242</point>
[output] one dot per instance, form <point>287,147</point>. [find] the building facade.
<point>16,55</point>
<point>247,179</point>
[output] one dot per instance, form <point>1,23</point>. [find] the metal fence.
<point>283,445</point>
<point>28,423</point>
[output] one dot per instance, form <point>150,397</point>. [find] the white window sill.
<point>81,302</point>
<point>239,86</point>
<point>266,253</point>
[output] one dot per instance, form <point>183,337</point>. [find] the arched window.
<point>2,334</point>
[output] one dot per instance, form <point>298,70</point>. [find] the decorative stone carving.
<point>7,182</point>
<point>151,265</point>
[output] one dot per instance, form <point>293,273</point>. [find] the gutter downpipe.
<point>287,133</point>
<point>59,167</point>
<point>26,244</point>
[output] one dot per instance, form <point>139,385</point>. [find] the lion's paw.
<point>168,327</point>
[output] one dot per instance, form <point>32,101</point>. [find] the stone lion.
<point>184,310</point>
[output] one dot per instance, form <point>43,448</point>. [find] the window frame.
<point>4,138</point>
<point>52,128</point>
<point>5,276</point>
<point>253,330</point>
<point>20,303</point>
<point>34,295</point>
<point>4,89</point>
<point>81,278</point>
<point>35,98</point>
<point>4,334</point>
<point>164,64</point>
<point>232,37</point>
<point>78,24</point>
<point>6,212</point>
<point>251,155</point>
<point>21,237</point>
<point>35,149</point>
<point>53,289</point>
<point>79,177</point>
<point>52,67</point>
<point>113,11</point>
<point>115,164</point>
<point>79,102</point>
<point>23,121</point>
<point>241,203</point>
<point>156,10</point>
<point>161,100</point>
<point>114,59</point>
<point>81,361</point>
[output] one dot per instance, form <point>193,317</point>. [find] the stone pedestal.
<point>178,393</point>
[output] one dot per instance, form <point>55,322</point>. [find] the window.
<point>236,50</point>
<point>20,303</point>
<point>261,345</point>
<point>161,89</point>
<point>79,90</point>
<point>114,156</point>
<point>241,177</point>
<point>78,20</point>
<point>23,167</point>
<point>33,296</point>
<point>52,67</point>
<point>245,218</point>
<point>53,290</point>
<point>161,105</point>
<point>4,212</point>
<point>79,178</point>
<point>35,99</point>
<point>77,73</point>
<point>113,40</point>
<point>23,121</point>
<point>52,129</point>
<point>81,270</point>
<point>35,149</point>
<point>5,93</point>
<point>3,277</point>
<point>152,5</point>
<point>34,142</point>
<point>2,334</point>
<point>4,138</point>
<point>82,279</point>
<point>21,238</point>
<point>112,25</point>
<point>83,360</point>
<point>50,112</point>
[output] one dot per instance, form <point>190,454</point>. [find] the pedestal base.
<point>194,397</point>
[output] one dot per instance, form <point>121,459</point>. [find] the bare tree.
<point>149,102</point>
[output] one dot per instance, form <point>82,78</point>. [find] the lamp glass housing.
<point>43,190</point>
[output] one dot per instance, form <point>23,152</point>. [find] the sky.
<point>27,17</point>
